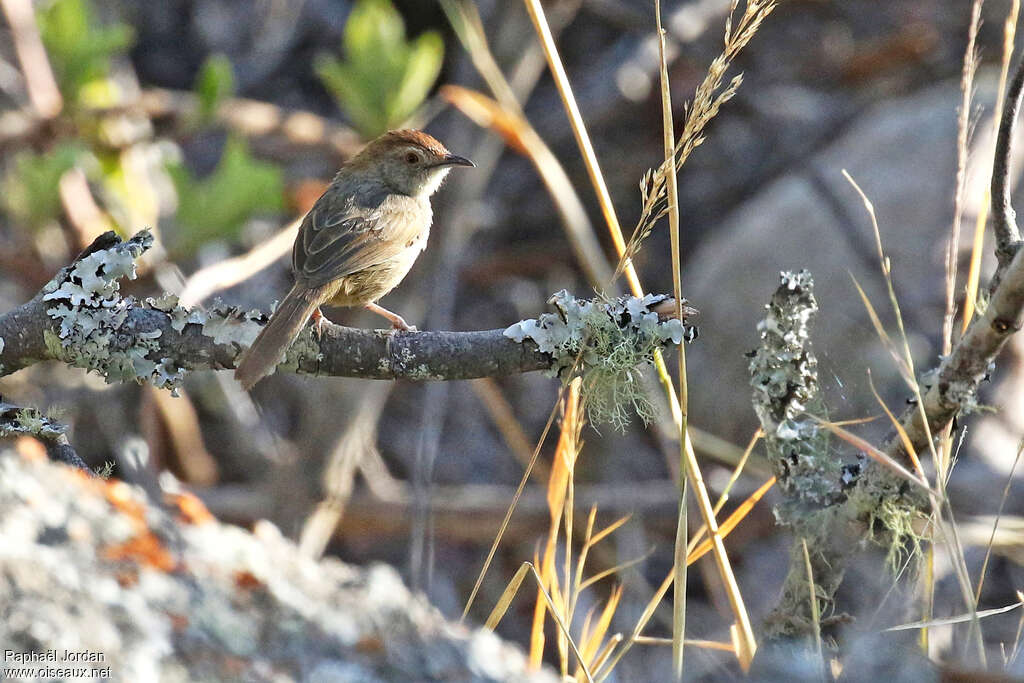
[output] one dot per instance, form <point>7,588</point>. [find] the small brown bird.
<point>358,241</point>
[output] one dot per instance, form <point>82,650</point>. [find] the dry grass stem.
<point>512,506</point>
<point>815,615</point>
<point>672,208</point>
<point>709,97</point>
<point>939,500</point>
<point>756,11</point>
<point>506,118</point>
<point>958,619</point>
<point>35,65</point>
<point>229,272</point>
<point>978,248</point>
<point>995,522</point>
<point>507,596</point>
<point>540,23</point>
<point>963,128</point>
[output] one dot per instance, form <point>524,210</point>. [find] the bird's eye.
<point>412,158</point>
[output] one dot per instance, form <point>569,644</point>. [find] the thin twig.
<point>1004,218</point>
<point>35,65</point>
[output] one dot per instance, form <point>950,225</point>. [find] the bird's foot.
<point>319,323</point>
<point>397,321</point>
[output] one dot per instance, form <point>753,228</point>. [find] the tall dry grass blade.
<point>579,129</point>
<point>511,508</point>
<point>727,526</point>
<point>611,528</point>
<point>963,126</point>
<point>572,425</point>
<point>689,642</point>
<point>707,101</point>
<point>518,134</point>
<point>652,604</point>
<point>494,618</point>
<point>592,643</point>
<point>723,497</point>
<point>974,273</point>
<point>606,651</point>
<point>610,571</point>
<point>970,63</point>
<point>908,358</point>
<point>589,542</point>
<point>958,619</point>
<point>1017,641</point>
<point>759,10</point>
<point>672,208</point>
<point>901,364</point>
<point>537,638</point>
<point>730,523</point>
<point>815,615</point>
<point>995,523</point>
<point>527,569</point>
<point>939,499</point>
<point>509,120</point>
<point>908,446</point>
<point>874,453</point>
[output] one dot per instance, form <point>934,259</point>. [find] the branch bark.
<point>81,318</point>
<point>956,380</point>
<point>18,421</point>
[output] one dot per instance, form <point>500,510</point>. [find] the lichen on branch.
<point>784,379</point>
<point>82,318</point>
<point>606,341</point>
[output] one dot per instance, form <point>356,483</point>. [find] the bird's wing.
<point>338,240</point>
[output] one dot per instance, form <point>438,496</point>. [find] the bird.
<point>358,241</point>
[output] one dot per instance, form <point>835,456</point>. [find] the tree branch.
<point>18,421</point>
<point>955,385</point>
<point>81,318</point>
<point>1004,222</point>
<point>955,382</point>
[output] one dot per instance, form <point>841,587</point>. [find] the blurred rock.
<point>91,566</point>
<point>902,153</point>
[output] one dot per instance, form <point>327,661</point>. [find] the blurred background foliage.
<point>383,77</point>
<point>382,80</point>
<point>80,48</point>
<point>217,205</point>
<point>28,185</point>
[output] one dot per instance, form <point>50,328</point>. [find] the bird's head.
<point>409,161</point>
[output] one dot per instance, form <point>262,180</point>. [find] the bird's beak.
<point>455,160</point>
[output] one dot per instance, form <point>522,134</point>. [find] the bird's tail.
<point>274,339</point>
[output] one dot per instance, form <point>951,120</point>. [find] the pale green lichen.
<point>606,341</point>
<point>407,367</point>
<point>15,421</point>
<point>95,331</point>
<point>784,379</point>
<point>180,317</point>
<point>305,346</point>
<point>232,326</point>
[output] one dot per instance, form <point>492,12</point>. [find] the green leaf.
<point>79,48</point>
<point>362,101</point>
<point>384,78</point>
<point>30,186</point>
<point>214,84</point>
<point>423,68</point>
<point>217,206</point>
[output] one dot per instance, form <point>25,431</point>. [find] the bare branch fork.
<point>81,318</point>
<point>954,387</point>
